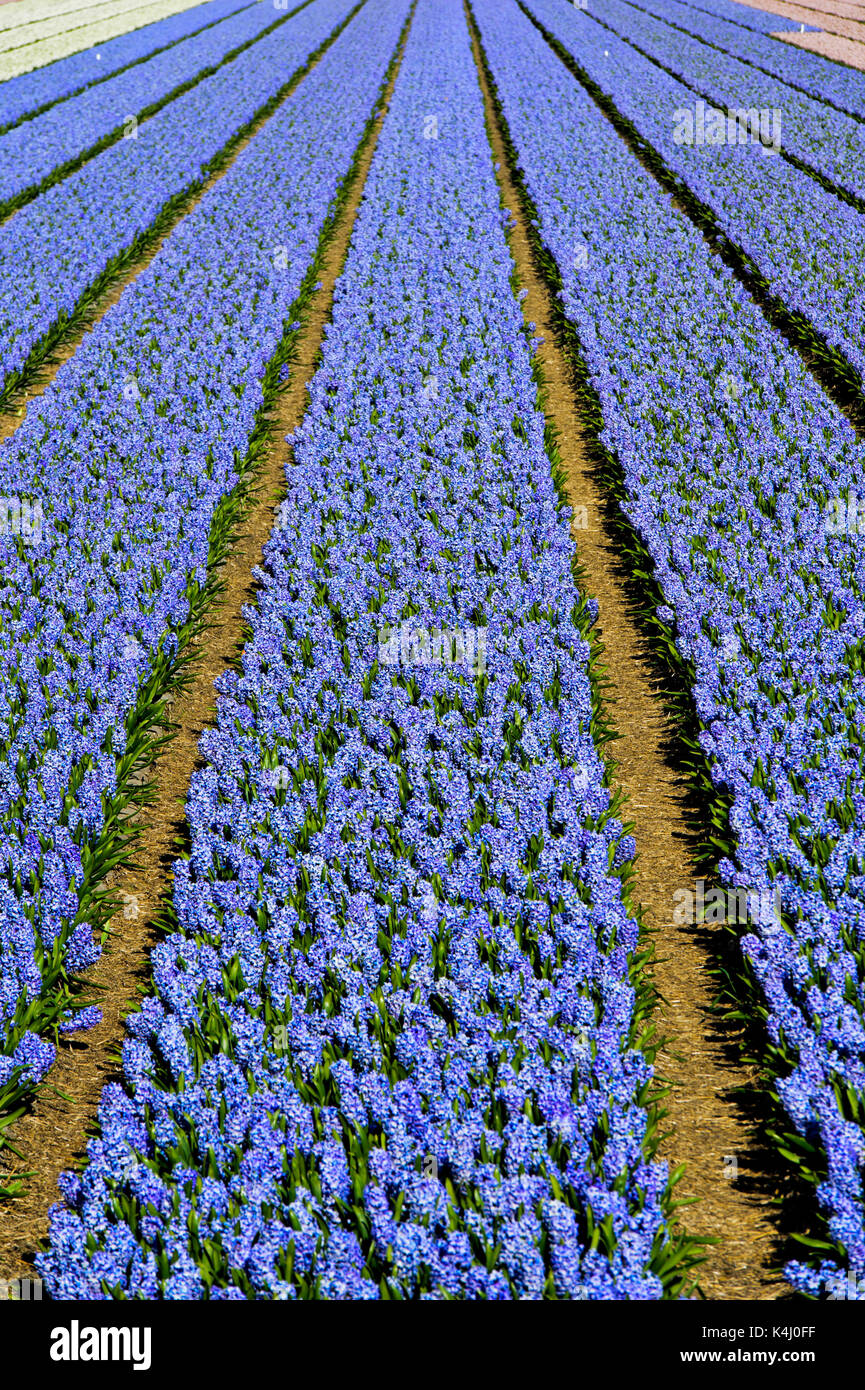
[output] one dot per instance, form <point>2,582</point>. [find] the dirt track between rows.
<point>707,1126</point>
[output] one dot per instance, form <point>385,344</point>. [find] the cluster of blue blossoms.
<point>391,1048</point>
<point>729,456</point>
<point>64,243</point>
<point>814,260</point>
<point>132,450</point>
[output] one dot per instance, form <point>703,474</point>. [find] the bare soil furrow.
<point>708,1131</point>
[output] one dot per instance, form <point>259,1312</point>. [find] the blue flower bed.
<point>730,454</point>
<point>391,1048</point>
<point>56,252</point>
<point>31,91</point>
<point>814,259</point>
<point>819,77</point>
<point>131,454</point>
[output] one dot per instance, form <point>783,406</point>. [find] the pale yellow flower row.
<point>31,34</point>
<point>13,15</point>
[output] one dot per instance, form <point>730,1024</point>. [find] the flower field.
<point>426,1010</point>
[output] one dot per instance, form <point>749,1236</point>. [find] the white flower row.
<point>30,11</point>
<point>53,45</point>
<point>20,25</point>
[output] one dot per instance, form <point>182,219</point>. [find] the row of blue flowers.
<point>55,253</point>
<point>132,453</point>
<point>21,97</point>
<point>391,1049</point>
<point>729,453</point>
<point>808,246</point>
